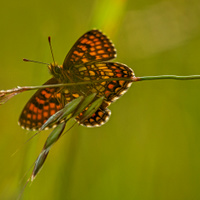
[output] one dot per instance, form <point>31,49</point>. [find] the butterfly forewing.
<point>93,46</point>
<point>44,103</point>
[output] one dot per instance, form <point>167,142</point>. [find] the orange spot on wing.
<point>80,54</point>
<point>52,112</point>
<point>45,93</point>
<point>39,110</point>
<point>107,93</point>
<point>119,75</point>
<point>52,105</point>
<point>121,82</point>
<point>76,52</point>
<point>98,43</point>
<point>58,107</point>
<point>91,120</point>
<point>92,49</point>
<point>85,60</point>
<point>45,114</point>
<point>31,107</point>
<point>88,42</point>
<point>84,48</point>
<point>84,40</point>
<point>46,108</point>
<point>75,95</point>
<point>101,51</point>
<point>99,47</point>
<point>98,118</point>
<point>98,57</point>
<point>105,55</point>
<point>29,116</point>
<point>110,86</point>
<point>40,101</point>
<point>35,109</point>
<point>100,114</point>
<point>93,53</point>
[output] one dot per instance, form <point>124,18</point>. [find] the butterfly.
<point>88,60</point>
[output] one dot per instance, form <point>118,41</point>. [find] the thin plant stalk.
<point>166,77</point>
<point>5,95</point>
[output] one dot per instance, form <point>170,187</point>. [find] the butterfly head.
<point>55,70</point>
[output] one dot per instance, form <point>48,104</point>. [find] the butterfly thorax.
<point>58,72</point>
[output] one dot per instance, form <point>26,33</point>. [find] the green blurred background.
<point>150,148</point>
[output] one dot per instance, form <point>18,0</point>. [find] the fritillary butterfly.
<point>86,61</point>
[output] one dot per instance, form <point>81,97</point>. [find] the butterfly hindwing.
<point>93,46</point>
<point>100,117</point>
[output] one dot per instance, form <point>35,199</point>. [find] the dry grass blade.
<point>53,137</point>
<point>92,109</point>
<point>5,95</point>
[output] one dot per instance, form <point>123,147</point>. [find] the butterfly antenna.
<point>49,39</point>
<point>34,61</point>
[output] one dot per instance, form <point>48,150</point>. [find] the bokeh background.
<point>150,148</point>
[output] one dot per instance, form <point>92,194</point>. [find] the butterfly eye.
<point>57,69</point>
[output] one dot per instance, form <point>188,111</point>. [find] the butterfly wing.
<point>103,71</point>
<point>100,117</point>
<point>112,90</point>
<point>44,103</point>
<point>93,46</point>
